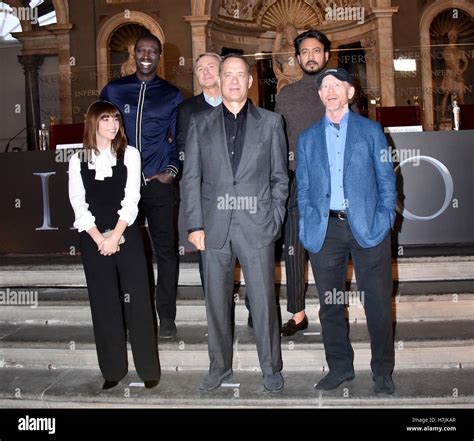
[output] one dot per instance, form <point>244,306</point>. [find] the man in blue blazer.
<point>346,197</point>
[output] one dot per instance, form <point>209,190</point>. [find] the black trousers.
<point>119,298</point>
<point>295,255</point>
<point>373,271</point>
<point>160,202</point>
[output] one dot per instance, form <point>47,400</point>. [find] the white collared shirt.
<point>103,164</point>
<point>213,101</point>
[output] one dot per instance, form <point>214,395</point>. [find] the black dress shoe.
<point>109,384</point>
<point>291,327</point>
<point>151,383</point>
<point>384,385</point>
<point>334,379</point>
<point>167,328</point>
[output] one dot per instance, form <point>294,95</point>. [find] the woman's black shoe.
<point>291,327</point>
<point>151,383</point>
<point>109,384</point>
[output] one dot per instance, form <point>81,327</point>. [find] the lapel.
<point>215,122</point>
<point>320,150</point>
<point>252,136</point>
<point>201,103</point>
<point>351,139</point>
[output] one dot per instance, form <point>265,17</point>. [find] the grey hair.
<point>208,54</point>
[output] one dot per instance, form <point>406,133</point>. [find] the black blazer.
<point>185,110</point>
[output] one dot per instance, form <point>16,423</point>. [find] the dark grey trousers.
<point>296,257</point>
<point>258,266</point>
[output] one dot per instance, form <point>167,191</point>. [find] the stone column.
<point>198,36</point>
<point>385,53</point>
<point>427,80</point>
<point>31,64</point>
<point>64,74</point>
<point>333,61</point>
<point>373,74</point>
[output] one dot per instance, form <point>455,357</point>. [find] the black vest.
<point>105,197</point>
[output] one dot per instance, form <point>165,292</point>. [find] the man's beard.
<point>311,72</point>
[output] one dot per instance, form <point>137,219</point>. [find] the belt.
<point>341,215</point>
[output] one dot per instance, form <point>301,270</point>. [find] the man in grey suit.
<point>235,186</point>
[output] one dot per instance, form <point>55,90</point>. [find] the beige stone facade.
<point>366,35</point>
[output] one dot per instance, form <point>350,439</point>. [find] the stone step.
<point>428,308</point>
<point>71,306</point>
<point>419,344</point>
<point>402,290</point>
<point>44,273</point>
<point>196,334</point>
<point>81,388</point>
<point>454,354</point>
<point>70,296</point>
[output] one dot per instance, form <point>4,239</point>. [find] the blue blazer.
<point>369,183</point>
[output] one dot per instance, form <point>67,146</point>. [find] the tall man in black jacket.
<point>149,106</point>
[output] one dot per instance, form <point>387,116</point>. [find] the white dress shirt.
<point>103,164</point>
<point>213,101</point>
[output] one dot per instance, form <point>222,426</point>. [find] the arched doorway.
<point>426,20</point>
<point>107,32</point>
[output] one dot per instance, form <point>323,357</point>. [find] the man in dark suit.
<point>206,70</point>
<point>235,185</point>
<point>346,197</point>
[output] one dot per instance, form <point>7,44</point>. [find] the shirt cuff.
<point>126,218</point>
<point>84,224</point>
<point>192,230</point>
<point>174,171</point>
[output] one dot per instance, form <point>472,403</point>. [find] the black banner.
<point>434,180</point>
<point>434,184</point>
<point>237,424</point>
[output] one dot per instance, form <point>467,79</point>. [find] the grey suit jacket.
<point>258,191</point>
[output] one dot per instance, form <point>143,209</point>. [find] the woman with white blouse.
<point>104,190</point>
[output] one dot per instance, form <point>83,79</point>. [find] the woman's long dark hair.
<point>96,111</point>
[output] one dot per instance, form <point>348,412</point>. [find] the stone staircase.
<point>48,358</point>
